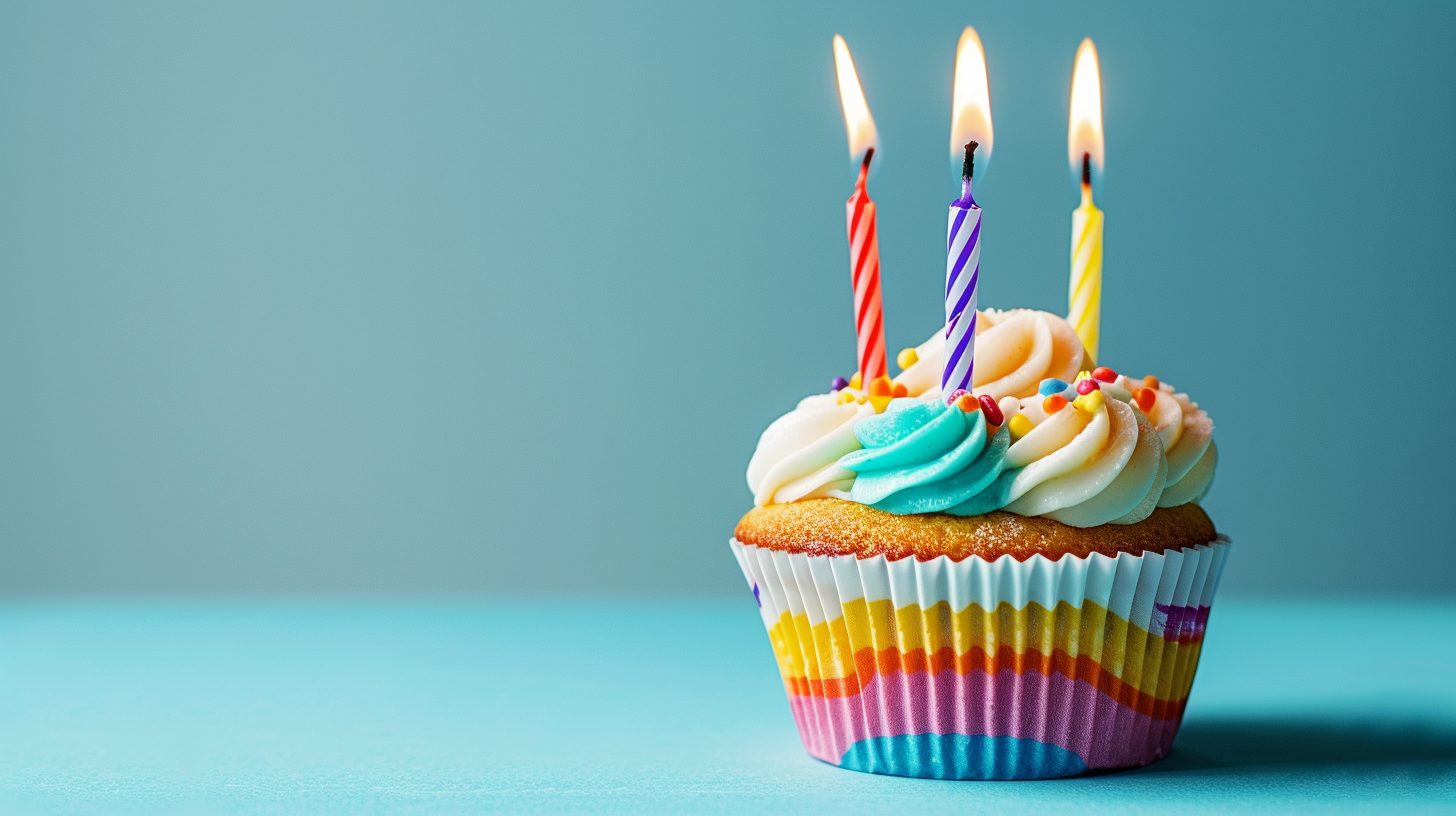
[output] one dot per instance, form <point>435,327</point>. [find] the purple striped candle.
<point>962,268</point>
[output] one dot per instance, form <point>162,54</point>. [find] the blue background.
<point>411,299</point>
<point>399,707</point>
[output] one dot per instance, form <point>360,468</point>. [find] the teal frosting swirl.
<point>925,457</point>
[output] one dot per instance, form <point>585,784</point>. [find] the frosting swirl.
<point>797,456</point>
<point>923,457</point>
<point>1015,350</point>
<point>1101,459</point>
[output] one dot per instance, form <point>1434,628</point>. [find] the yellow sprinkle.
<point>1089,402</point>
<point>1020,426</point>
<point>854,381</point>
<point>860,399</point>
<point>880,403</point>
<point>845,397</point>
<point>907,358</point>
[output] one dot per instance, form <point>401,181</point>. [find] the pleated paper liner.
<point>986,670</point>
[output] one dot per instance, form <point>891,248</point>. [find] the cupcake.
<point>1011,586</point>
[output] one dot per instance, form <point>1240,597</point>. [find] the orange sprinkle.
<point>900,391</point>
<point>968,403</point>
<point>880,387</point>
<point>1145,398</point>
<point>1054,403</point>
<point>1151,382</point>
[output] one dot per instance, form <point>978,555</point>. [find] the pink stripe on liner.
<point>1055,710</point>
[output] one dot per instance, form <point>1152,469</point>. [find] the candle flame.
<point>857,119</point>
<point>1084,132</point>
<point>970,104</point>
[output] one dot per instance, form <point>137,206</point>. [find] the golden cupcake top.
<point>837,527</point>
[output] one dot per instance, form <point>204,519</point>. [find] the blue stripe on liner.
<point>959,756</point>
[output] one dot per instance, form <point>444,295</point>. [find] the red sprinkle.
<point>1104,374</point>
<point>1087,386</point>
<point>991,410</point>
<point>1145,398</point>
<point>955,395</point>
<point>1054,403</point>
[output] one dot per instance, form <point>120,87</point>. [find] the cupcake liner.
<point>982,669</point>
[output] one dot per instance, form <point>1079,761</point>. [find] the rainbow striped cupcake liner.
<point>986,670</point>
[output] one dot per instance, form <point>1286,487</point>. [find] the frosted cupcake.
<point>1012,586</point>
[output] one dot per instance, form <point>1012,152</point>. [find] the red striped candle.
<point>864,242</point>
<point>864,265</point>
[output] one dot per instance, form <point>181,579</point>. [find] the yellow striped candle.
<point>1085,152</point>
<point>1085,298</point>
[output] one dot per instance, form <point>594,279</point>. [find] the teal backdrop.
<point>418,298</point>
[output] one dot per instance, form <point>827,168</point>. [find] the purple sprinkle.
<point>757,599</point>
<point>839,384</point>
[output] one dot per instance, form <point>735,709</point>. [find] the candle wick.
<point>967,170</point>
<point>864,168</point>
<point>1087,180</point>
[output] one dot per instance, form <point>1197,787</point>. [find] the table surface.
<point>546,705</point>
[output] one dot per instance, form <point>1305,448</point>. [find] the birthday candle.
<point>864,243</point>
<point>962,271</point>
<point>864,256</point>
<point>970,132</point>
<point>1085,151</point>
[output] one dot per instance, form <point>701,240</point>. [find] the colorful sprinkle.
<point>881,387</point>
<point>1086,387</point>
<point>956,394</point>
<point>967,403</point>
<point>1151,382</point>
<point>881,403</point>
<point>992,410</point>
<point>900,391</point>
<point>1052,385</point>
<point>1089,402</point>
<point>1145,398</point>
<point>1020,426</point>
<point>1104,374</point>
<point>854,381</point>
<point>845,397</point>
<point>839,384</point>
<point>906,358</point>
<point>1054,403</point>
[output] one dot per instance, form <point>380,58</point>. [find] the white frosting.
<point>1076,453</point>
<point>1195,483</point>
<point>1111,464</point>
<point>1015,350</point>
<point>1132,484</point>
<point>796,455</point>
<point>1091,480</point>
